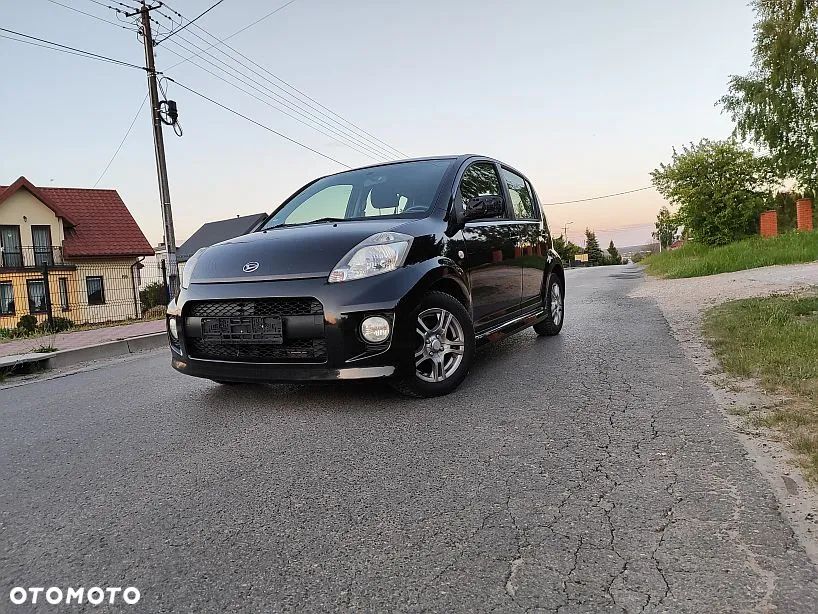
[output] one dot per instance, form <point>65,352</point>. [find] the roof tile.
<point>102,224</point>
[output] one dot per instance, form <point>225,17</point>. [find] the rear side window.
<point>480,179</point>
<point>522,200</point>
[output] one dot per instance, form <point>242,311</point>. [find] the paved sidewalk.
<point>82,338</point>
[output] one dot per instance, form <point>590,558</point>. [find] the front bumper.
<point>345,305</point>
<point>268,373</point>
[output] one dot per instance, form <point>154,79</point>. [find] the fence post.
<point>804,214</point>
<point>165,280</point>
<point>47,289</point>
<point>769,223</point>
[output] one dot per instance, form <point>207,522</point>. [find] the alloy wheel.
<point>556,304</point>
<point>441,344</point>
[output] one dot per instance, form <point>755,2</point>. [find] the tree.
<point>595,255</point>
<point>720,188</point>
<point>667,227</point>
<point>613,254</point>
<point>566,249</point>
<point>776,104</point>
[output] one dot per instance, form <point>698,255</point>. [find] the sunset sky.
<point>586,98</point>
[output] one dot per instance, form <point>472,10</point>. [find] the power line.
<point>97,17</point>
<point>121,143</point>
<point>349,140</point>
<point>107,5</point>
<point>189,22</point>
<point>247,27</point>
<point>271,105</point>
<point>296,104</point>
<point>67,49</point>
<point>367,136</point>
<point>257,123</point>
<point>284,101</point>
<point>293,103</point>
<point>585,200</point>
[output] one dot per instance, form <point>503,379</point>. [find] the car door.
<point>495,281</point>
<point>531,237</point>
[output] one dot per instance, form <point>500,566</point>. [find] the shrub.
<point>152,295</point>
<point>27,323</point>
<point>58,325</point>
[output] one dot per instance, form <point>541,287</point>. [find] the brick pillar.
<point>804,211</point>
<point>769,223</point>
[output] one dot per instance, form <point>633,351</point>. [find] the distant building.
<point>215,232</point>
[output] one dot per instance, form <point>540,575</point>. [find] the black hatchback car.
<point>391,271</point>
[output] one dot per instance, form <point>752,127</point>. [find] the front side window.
<point>36,296</point>
<point>480,179</point>
<point>6,298</point>
<point>96,290</point>
<point>402,190</point>
<point>522,201</point>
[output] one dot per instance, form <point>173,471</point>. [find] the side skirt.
<point>513,326</point>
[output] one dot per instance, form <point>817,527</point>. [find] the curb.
<point>109,349</point>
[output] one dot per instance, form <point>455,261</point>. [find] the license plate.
<point>251,329</point>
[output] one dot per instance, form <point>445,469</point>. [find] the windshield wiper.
<point>319,221</point>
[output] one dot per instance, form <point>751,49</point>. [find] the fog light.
<point>375,329</point>
<point>172,328</point>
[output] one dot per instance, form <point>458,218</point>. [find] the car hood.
<point>287,252</point>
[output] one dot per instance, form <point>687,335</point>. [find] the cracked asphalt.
<point>584,473</point>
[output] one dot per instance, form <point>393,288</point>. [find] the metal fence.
<point>41,290</point>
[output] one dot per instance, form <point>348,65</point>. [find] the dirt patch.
<point>744,403</point>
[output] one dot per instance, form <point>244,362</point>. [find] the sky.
<point>585,98</point>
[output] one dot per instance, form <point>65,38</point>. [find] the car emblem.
<point>250,267</point>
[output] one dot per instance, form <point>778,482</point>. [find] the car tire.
<point>225,383</point>
<point>554,309</point>
<point>443,346</point>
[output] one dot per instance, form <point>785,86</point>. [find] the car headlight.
<point>380,253</point>
<point>173,329</point>
<point>187,270</point>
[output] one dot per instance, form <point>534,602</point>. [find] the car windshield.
<point>402,190</point>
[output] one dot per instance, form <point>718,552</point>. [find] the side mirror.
<point>481,207</point>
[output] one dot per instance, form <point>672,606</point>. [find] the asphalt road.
<point>586,472</point>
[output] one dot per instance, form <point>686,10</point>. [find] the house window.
<point>10,250</point>
<point>96,290</point>
<point>63,283</point>
<point>41,238</point>
<point>6,298</point>
<point>36,296</point>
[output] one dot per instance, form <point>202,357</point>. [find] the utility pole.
<point>159,145</point>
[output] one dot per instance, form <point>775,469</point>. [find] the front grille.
<point>256,307</point>
<point>297,350</point>
<point>252,345</point>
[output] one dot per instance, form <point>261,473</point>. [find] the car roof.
<point>457,157</point>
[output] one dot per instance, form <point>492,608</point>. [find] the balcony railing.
<point>30,257</point>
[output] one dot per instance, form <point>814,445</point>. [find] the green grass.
<point>44,349</point>
<point>775,341</point>
<point>696,260</point>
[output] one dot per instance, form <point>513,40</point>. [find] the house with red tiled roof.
<point>73,252</point>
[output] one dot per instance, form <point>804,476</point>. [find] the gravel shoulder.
<point>683,302</point>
